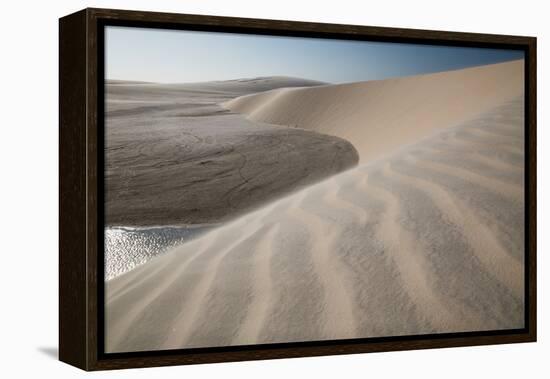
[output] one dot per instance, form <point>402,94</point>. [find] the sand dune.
<point>174,156</point>
<point>121,90</point>
<point>428,239</point>
<point>379,116</point>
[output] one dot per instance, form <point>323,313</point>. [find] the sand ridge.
<point>379,116</point>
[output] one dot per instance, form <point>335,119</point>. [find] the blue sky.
<point>172,56</point>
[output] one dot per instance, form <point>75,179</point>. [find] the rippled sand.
<point>427,239</point>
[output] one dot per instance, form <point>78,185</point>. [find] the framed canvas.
<point>240,189</point>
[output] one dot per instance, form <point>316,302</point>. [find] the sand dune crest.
<point>363,114</point>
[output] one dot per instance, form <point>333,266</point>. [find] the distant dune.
<point>379,116</point>
<point>428,239</point>
<point>251,85</point>
<point>119,90</point>
<point>174,156</point>
<point>124,82</point>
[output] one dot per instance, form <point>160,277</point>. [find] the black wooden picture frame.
<point>81,110</point>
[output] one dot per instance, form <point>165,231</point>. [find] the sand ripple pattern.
<point>427,240</point>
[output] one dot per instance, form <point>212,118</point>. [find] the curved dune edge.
<point>379,116</point>
<point>393,247</point>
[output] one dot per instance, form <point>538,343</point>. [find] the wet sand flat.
<point>175,157</point>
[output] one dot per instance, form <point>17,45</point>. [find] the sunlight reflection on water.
<point>126,248</point>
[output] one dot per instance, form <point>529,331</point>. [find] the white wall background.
<point>29,177</point>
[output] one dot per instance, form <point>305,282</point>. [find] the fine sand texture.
<point>174,156</point>
<point>379,116</point>
<point>427,239</point>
